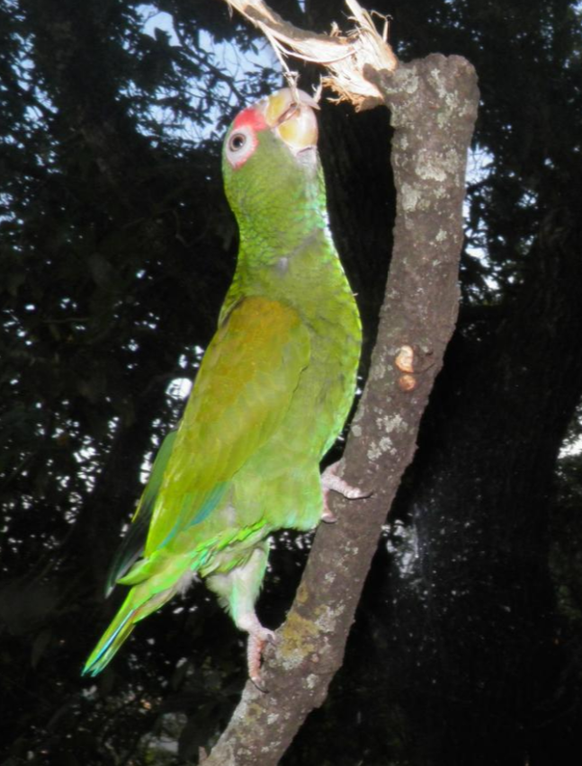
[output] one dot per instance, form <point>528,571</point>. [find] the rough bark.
<point>433,106</point>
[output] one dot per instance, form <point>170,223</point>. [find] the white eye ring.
<point>240,145</point>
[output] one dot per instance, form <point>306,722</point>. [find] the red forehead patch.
<point>249,118</point>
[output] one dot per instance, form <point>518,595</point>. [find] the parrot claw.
<point>330,481</point>
<point>328,516</point>
<point>258,639</point>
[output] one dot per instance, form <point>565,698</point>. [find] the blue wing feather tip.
<point>90,670</point>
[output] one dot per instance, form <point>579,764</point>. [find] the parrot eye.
<point>240,146</point>
<point>237,142</point>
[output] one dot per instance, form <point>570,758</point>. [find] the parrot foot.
<point>255,646</point>
<point>257,640</point>
<point>330,481</point>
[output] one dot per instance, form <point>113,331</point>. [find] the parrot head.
<point>270,162</point>
<point>285,117</point>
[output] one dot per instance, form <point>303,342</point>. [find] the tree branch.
<point>433,105</point>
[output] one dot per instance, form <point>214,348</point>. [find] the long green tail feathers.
<point>140,603</point>
<point>112,640</point>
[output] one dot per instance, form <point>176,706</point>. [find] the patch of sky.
<point>479,171</point>
<point>227,80</point>
<point>179,389</point>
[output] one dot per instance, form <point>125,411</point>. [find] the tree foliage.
<point>116,249</point>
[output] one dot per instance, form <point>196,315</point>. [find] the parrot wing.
<point>243,389</point>
<point>132,545</point>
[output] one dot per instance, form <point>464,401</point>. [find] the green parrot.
<point>271,396</point>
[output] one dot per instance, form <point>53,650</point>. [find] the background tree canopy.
<point>116,249</point>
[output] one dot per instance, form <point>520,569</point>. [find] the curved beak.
<point>290,114</point>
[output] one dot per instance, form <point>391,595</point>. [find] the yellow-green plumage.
<point>272,393</point>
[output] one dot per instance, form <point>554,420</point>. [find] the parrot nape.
<point>272,394</point>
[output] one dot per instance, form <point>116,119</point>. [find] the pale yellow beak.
<point>291,114</point>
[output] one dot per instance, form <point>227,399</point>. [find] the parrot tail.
<point>140,603</point>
